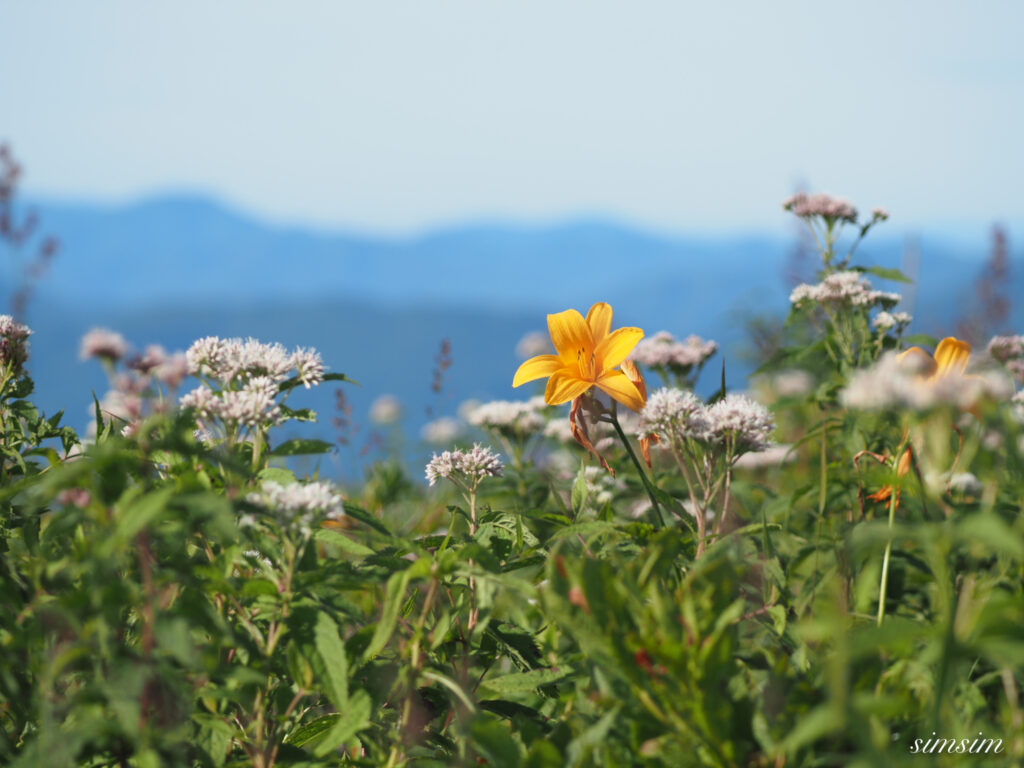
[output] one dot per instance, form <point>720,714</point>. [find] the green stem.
<point>639,468</point>
<point>893,496</point>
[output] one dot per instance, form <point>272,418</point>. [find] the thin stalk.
<point>639,468</point>
<point>893,496</point>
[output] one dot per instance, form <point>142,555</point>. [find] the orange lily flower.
<point>951,357</point>
<point>587,355</point>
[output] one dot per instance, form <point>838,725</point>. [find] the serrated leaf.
<point>518,682</point>
<point>394,594</point>
<point>332,652</point>
<point>342,542</point>
<point>355,717</point>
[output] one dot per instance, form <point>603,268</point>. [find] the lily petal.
<point>952,355</point>
<point>617,385</point>
<point>918,360</point>
<point>599,318</point>
<point>616,347</point>
<point>629,368</point>
<point>536,368</point>
<point>564,386</point>
<point>570,335</point>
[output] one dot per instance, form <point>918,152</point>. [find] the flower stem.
<point>893,497</point>
<point>639,468</point>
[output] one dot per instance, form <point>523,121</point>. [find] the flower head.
<point>588,353</point>
<point>465,468</point>
<point>843,289</point>
<point>297,503</point>
<point>748,425</point>
<point>508,418</point>
<point>104,344</point>
<point>825,206</point>
<point>663,350</point>
<point>13,343</point>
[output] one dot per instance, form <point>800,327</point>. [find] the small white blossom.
<point>108,345</point>
<point>843,289</point>
<point>172,371</point>
<point>792,383</point>
<point>385,410</point>
<point>309,366</point>
<point>1006,349</point>
<point>887,321</point>
<point>663,350</point>
<point>825,206</point>
<point>965,483</point>
<point>675,415</point>
<point>737,418</point>
<point>509,418</point>
<point>441,431</point>
<point>601,485</point>
<point>298,504</point>
<point>465,468</point>
<point>13,343</point>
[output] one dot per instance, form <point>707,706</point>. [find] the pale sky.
<point>402,116</point>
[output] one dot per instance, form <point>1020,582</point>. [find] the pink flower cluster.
<point>824,206</point>
<point>663,350</point>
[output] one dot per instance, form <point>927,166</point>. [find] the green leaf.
<point>888,273</point>
<point>363,516</point>
<point>298,414</point>
<point>342,542</point>
<point>355,717</point>
<point>518,682</point>
<point>311,731</point>
<point>277,475</point>
<point>332,652</point>
<point>394,594</point>
<point>302,447</point>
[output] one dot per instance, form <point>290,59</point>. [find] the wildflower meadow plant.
<point>825,570</point>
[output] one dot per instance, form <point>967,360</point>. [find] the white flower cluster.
<point>298,504</point>
<point>675,415</point>
<point>888,321</point>
<point>1009,350</point>
<point>827,207</point>
<point>792,383</point>
<point>663,350</point>
<point>226,360</point>
<point>465,468</point>
<point>899,383</point>
<point>844,289</point>
<point>601,485</point>
<point>513,419</point>
<point>104,344</point>
<point>385,410</point>
<point>254,405</point>
<point>735,420</point>
<point>441,431</point>
<point>13,343</point>
<point>1004,348</point>
<point>243,379</point>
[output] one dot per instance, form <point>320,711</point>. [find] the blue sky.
<point>404,116</point>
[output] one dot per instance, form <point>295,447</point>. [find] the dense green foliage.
<point>154,612</point>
